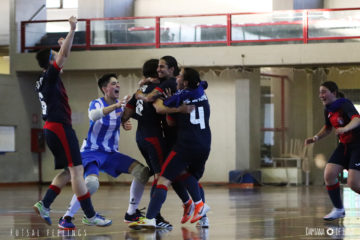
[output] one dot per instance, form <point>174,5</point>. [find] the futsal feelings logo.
<point>33,232</point>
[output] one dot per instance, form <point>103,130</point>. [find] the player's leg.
<point>331,174</point>
<point>118,163</point>
<point>78,183</point>
<point>196,168</point>
<point>58,146</point>
<point>92,184</point>
<point>172,167</point>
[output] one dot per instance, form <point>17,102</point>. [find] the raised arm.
<point>66,44</point>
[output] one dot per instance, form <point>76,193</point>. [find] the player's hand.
<point>73,22</point>
<point>186,108</point>
<point>124,101</point>
<point>309,141</point>
<point>127,125</point>
<point>340,130</point>
<point>167,93</point>
<point>61,41</point>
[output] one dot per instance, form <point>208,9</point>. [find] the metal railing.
<point>296,26</point>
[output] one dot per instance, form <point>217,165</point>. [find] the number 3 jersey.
<point>193,129</point>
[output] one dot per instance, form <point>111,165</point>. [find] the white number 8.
<point>199,120</point>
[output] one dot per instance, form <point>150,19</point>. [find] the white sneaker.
<point>335,214</point>
<point>203,222</point>
<point>96,220</point>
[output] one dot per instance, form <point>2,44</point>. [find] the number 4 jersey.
<point>193,129</point>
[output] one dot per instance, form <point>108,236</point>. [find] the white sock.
<point>136,192</point>
<point>73,207</point>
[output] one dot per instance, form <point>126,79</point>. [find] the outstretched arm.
<point>324,131</point>
<point>65,45</point>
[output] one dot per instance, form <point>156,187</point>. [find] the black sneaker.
<point>134,217</point>
<point>162,223</point>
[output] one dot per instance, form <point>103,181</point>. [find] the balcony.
<point>285,27</point>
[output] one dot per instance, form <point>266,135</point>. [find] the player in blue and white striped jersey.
<point>100,150</point>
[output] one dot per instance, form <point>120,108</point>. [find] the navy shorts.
<point>347,155</point>
<point>112,163</point>
<point>182,159</point>
<point>63,143</point>
<point>152,149</point>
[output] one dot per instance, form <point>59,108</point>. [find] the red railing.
<point>228,25</point>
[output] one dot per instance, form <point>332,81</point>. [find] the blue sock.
<point>86,205</point>
<point>181,191</point>
<point>335,196</point>
<point>50,195</point>
<point>156,201</point>
<point>153,186</point>
<point>202,193</point>
<point>192,185</point>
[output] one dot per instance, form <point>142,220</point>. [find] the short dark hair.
<point>105,79</point>
<point>192,77</point>
<point>149,68</point>
<point>332,86</point>
<point>171,62</point>
<point>43,57</point>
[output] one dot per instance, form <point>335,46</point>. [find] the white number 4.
<point>199,120</point>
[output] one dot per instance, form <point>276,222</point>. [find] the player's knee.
<point>141,173</point>
<point>92,183</point>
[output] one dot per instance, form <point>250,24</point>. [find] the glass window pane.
<point>53,3</point>
<point>70,4</point>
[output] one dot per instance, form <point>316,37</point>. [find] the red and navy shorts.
<point>153,150</point>
<point>63,143</point>
<point>181,159</point>
<point>347,155</point>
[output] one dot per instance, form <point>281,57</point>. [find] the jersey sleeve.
<point>94,105</point>
<point>327,120</point>
<point>132,102</point>
<point>170,83</point>
<point>349,110</point>
<point>53,71</point>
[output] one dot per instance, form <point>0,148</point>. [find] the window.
<point>61,4</point>
<point>7,139</point>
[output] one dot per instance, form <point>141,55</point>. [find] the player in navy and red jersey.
<point>149,134</point>
<point>167,70</point>
<point>341,114</point>
<point>192,148</point>
<point>59,134</point>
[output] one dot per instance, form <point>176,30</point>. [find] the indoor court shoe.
<point>200,210</point>
<point>96,220</point>
<point>143,222</point>
<point>43,212</point>
<point>188,211</point>
<point>133,217</point>
<point>162,223</point>
<point>66,224</point>
<point>335,214</point>
<point>203,222</point>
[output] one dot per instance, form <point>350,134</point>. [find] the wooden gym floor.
<point>267,212</point>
